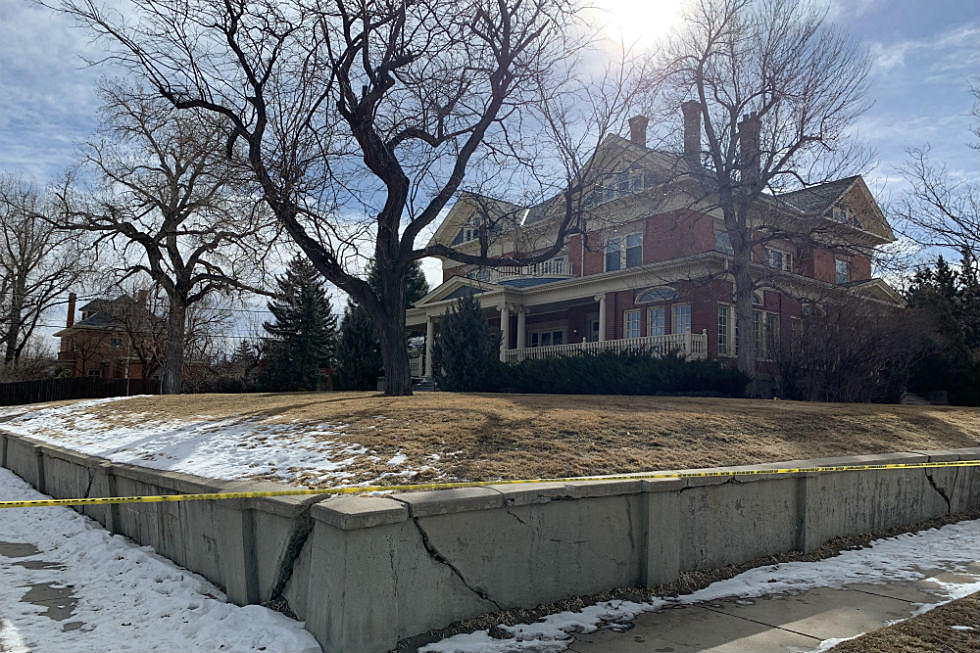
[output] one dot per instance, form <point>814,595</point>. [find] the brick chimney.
<point>638,130</point>
<point>748,144</point>
<point>692,132</point>
<point>70,320</point>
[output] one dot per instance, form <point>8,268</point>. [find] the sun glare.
<point>637,24</point>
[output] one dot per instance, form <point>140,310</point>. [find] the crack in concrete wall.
<point>300,533</point>
<point>443,560</point>
<point>91,480</point>
<point>942,493</point>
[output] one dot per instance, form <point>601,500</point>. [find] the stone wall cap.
<point>442,502</point>
<point>355,512</point>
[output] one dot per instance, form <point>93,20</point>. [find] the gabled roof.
<point>876,289</point>
<point>818,199</point>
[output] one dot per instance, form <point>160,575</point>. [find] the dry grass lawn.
<point>490,436</point>
<point>950,628</point>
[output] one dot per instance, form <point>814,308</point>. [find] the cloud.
<point>952,52</point>
<point>846,11</point>
<point>50,100</point>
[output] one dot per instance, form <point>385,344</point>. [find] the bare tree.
<point>775,89</point>
<point>375,107</point>
<point>38,263</point>
<point>938,211</point>
<point>167,190</point>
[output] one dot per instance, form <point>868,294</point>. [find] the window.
<point>723,243</point>
<point>470,233</point>
<point>765,330</point>
<point>546,338</point>
<point>623,183</point>
<point>612,254</point>
<point>634,250</point>
<point>594,331</point>
<point>843,269</point>
<point>115,343</point>
<point>617,258</point>
<point>723,329</point>
<point>681,322</point>
<point>656,321</point>
<point>772,334</point>
<point>94,373</point>
<point>632,323</point>
<point>779,259</point>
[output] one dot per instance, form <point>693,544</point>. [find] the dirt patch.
<point>950,628</point>
<point>450,436</point>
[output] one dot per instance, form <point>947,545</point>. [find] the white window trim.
<point>550,331</point>
<point>673,317</point>
<point>845,261</point>
<point>787,258</point>
<point>623,239</point>
<point>663,312</point>
<point>731,335</point>
<point>639,323</point>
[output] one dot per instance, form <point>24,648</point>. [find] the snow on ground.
<point>218,448</point>
<point>895,559</point>
<point>128,598</point>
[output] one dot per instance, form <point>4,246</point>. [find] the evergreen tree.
<point>465,355</point>
<point>359,361</point>
<point>305,331</point>
<point>949,301</point>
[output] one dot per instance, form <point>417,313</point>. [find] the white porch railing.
<point>692,346</point>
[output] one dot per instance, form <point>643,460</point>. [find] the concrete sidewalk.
<point>776,624</point>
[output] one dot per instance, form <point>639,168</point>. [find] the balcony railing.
<point>692,346</point>
<point>556,267</point>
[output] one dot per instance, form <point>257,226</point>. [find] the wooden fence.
<point>29,392</point>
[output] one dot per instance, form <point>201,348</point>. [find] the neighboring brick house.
<point>651,269</point>
<point>100,343</point>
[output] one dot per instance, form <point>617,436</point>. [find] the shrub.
<point>465,353</point>
<point>623,373</point>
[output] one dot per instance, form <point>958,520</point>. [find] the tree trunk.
<point>741,238</point>
<point>394,354</point>
<point>173,355</point>
<point>14,323</point>
<point>393,335</point>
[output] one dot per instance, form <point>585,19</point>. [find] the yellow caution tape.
<point>367,489</point>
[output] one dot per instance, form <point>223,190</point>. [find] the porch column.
<point>602,316</point>
<point>504,331</point>
<point>521,331</point>
<point>430,336</point>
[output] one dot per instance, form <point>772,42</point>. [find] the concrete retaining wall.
<point>367,572</point>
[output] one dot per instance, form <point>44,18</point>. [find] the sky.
<point>925,55</point>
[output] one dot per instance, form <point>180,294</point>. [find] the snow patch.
<point>128,598</point>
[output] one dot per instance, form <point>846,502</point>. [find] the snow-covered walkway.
<point>68,585</point>
<point>765,609</point>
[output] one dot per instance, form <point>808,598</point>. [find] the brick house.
<point>100,344</point>
<point>650,271</point>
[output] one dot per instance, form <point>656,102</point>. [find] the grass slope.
<point>492,436</point>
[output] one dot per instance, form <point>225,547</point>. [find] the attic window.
<point>843,213</point>
<point>620,184</point>
<point>471,233</point>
